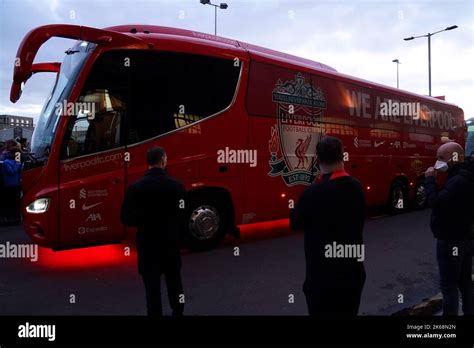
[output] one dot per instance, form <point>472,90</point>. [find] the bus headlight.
<point>38,206</point>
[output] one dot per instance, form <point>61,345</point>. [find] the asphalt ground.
<point>267,273</point>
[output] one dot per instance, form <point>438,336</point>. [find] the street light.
<point>398,63</point>
<point>429,35</point>
<point>222,6</point>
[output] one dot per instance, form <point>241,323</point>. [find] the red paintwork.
<point>36,37</point>
<point>192,151</point>
<point>46,67</point>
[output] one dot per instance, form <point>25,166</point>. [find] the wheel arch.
<point>401,178</point>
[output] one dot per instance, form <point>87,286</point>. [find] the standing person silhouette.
<point>155,205</point>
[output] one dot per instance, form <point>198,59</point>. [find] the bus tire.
<point>206,222</point>
<point>398,197</point>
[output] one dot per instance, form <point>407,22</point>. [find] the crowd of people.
<point>12,155</point>
<point>332,285</point>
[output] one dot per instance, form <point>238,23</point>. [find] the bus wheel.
<point>420,195</point>
<point>398,197</point>
<point>205,224</point>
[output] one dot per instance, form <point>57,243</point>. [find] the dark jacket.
<point>452,205</point>
<point>332,210</point>
<point>153,204</point>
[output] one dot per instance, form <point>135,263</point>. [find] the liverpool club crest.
<point>293,139</point>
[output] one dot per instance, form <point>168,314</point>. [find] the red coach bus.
<point>240,124</point>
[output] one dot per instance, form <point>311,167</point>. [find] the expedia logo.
<point>293,139</point>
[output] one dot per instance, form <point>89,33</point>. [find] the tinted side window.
<point>172,90</point>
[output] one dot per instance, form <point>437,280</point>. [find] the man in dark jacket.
<point>452,218</point>
<point>155,205</point>
<point>332,212</point>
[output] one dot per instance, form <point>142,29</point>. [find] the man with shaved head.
<point>331,212</point>
<point>452,218</point>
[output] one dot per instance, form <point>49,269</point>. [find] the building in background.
<point>12,127</point>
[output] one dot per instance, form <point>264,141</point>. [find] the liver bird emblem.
<point>300,151</point>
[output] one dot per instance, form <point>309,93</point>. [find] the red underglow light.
<point>263,230</point>
<point>92,257</point>
<point>111,255</point>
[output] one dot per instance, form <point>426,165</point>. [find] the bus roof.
<point>153,30</point>
<point>142,36</point>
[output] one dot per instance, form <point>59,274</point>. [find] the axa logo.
<point>396,144</point>
<point>94,217</point>
<point>293,139</point>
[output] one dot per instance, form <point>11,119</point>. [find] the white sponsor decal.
<point>94,217</point>
<point>377,144</point>
<point>407,145</point>
<point>358,143</point>
<point>92,162</point>
<point>396,144</point>
<point>83,230</point>
<point>362,104</point>
<point>83,193</point>
<point>87,207</point>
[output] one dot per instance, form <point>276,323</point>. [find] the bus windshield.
<point>47,123</point>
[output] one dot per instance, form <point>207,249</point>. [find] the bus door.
<point>92,165</point>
